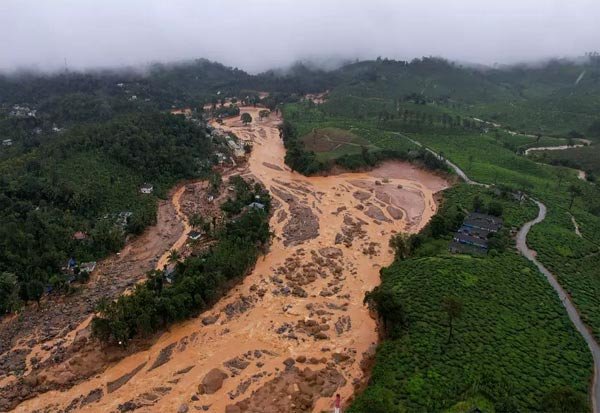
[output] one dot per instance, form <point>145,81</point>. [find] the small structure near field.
<point>257,205</point>
<point>146,188</point>
<point>194,235</point>
<point>472,236</point>
<point>7,142</point>
<point>79,236</point>
<point>88,266</point>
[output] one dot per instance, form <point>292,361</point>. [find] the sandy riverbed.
<point>303,301</point>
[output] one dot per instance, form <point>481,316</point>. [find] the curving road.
<point>564,297</point>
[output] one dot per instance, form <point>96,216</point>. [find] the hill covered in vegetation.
<point>88,181</point>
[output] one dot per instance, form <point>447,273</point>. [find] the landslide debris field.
<point>287,338</point>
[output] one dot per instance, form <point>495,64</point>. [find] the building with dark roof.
<point>486,222</point>
<point>472,236</point>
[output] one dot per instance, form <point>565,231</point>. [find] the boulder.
<point>212,382</point>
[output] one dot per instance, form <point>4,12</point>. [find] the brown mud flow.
<point>295,331</point>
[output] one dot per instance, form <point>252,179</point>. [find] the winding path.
<point>564,297</point>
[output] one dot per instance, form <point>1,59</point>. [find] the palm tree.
<point>174,256</point>
<point>452,306</point>
<point>575,191</point>
<point>196,221</point>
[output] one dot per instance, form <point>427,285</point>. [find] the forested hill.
<point>552,98</point>
<point>83,182</point>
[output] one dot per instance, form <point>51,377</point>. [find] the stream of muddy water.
<point>295,331</point>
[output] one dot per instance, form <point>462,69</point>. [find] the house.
<point>235,147</point>
<point>7,142</point>
<point>88,266</point>
<point>472,236</point>
<point>187,112</point>
<point>257,206</point>
<point>170,275</point>
<point>147,189</point>
<point>79,236</point>
<point>72,263</point>
<point>123,218</point>
<point>194,235</point>
<point>470,240</point>
<point>483,221</point>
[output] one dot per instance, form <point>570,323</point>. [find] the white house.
<point>146,189</point>
<point>7,142</point>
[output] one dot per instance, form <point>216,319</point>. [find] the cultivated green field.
<point>512,345</point>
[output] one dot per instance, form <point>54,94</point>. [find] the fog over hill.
<point>262,34</point>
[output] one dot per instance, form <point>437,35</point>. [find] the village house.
<point>236,148</point>
<point>146,188</point>
<point>473,235</point>
<point>257,206</point>
<point>187,112</point>
<point>88,266</point>
<point>79,236</point>
<point>194,235</point>
<point>7,142</point>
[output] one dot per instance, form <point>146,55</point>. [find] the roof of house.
<point>147,186</point>
<point>468,239</point>
<point>194,234</point>
<point>474,231</point>
<point>484,221</point>
<point>79,235</point>
<point>257,205</point>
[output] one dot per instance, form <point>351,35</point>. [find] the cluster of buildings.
<point>19,111</point>
<point>474,233</point>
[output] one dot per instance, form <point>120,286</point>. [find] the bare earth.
<point>295,331</point>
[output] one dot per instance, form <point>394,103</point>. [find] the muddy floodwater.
<point>295,331</point>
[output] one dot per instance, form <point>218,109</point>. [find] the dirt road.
<point>295,331</point>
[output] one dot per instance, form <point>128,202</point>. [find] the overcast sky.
<point>260,34</point>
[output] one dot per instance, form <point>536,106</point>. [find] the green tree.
<point>196,221</point>
<point>563,399</point>
<point>477,204</point>
<point>35,290</point>
<point>389,308</point>
<point>246,118</point>
<point>401,244</point>
<point>495,208</point>
<point>9,292</point>
<point>560,174</point>
<point>574,192</point>
<point>453,307</point>
<point>174,256</point>
<point>437,226</point>
<point>264,114</point>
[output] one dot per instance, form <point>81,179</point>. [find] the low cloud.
<point>257,35</point>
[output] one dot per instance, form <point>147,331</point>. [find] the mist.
<point>257,35</point>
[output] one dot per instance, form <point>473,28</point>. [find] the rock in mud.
<point>376,213</point>
<point>92,396</point>
<point>211,319</point>
<point>163,357</point>
<point>212,382</point>
<point>395,212</point>
<point>116,384</point>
